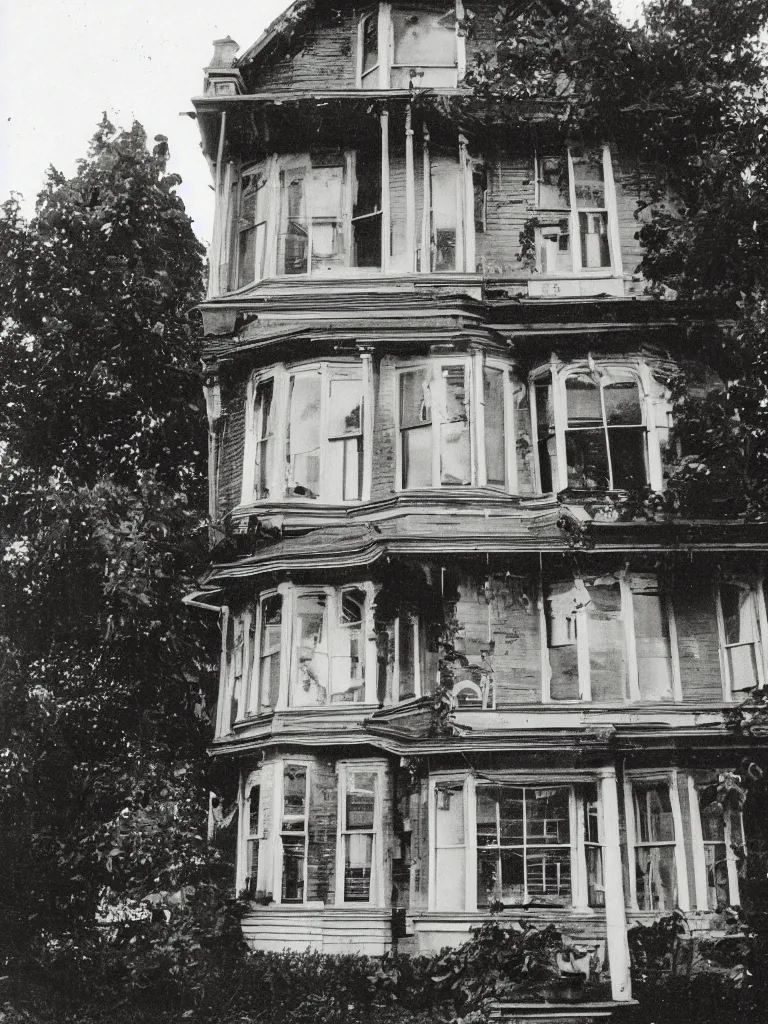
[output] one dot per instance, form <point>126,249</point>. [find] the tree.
<point>104,679</point>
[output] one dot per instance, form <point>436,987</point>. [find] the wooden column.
<point>386,229</point>
<point>426,217</point>
<point>615,915</point>
<point>410,194</point>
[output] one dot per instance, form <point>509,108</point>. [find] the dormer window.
<point>402,46</point>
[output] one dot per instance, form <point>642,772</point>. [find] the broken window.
<point>367,208</point>
<point>359,833</point>
<point>454,426</point>
<point>251,228</point>
<point>309,684</point>
<point>303,435</point>
<point>450,846</point>
<point>348,658</point>
<point>293,832</point>
<point>655,865</point>
<point>270,645</point>
<point>329,655</point>
<point>740,635</point>
<point>435,396</point>
<point>567,639</point>
<point>722,829</point>
<point>423,47</point>
<point>604,435</point>
<point>606,636</point>
<point>311,223</point>
<point>252,838</point>
<point>480,196</point>
<point>523,845</point>
<point>593,847</point>
<point>263,427</point>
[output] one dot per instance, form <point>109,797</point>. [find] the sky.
<point>64,62</point>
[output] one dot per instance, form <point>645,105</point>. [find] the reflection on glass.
<point>303,440</point>
<point>416,427</point>
<point>310,685</point>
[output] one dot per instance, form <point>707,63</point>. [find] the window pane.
<point>251,254</point>
<point>628,456</point>
<point>454,434</point>
<point>500,876</point>
<point>444,213</point>
<point>583,401</point>
<point>450,875</point>
<point>293,869</point>
<point>742,667</point>
<point>271,632</point>
<point>361,800</point>
<point>548,875</point>
<point>718,889</point>
<point>415,398</point>
<point>595,880</point>
<point>653,812</point>
<point>588,181</point>
<point>548,815</point>
<point>345,407</point>
<point>424,37</point>
<point>545,428</point>
<point>417,458</point>
<point>738,618</point>
<point>358,858</point>
<point>347,662</point>
<point>510,815</point>
<point>656,877</point>
<point>495,443</point>
<point>294,791</point>
<point>654,651</point>
<point>607,643</point>
<point>370,42</point>
<point>294,234</point>
<point>622,403</point>
<point>264,429</point>
<point>406,659</point>
<point>311,682</point>
<point>553,183</point>
<point>587,457</point>
<point>449,815</point>
<point>487,831</point>
<point>303,442</point>
<point>595,248</point>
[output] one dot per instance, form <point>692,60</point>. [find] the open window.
<point>576,213</point>
<point>739,628</point>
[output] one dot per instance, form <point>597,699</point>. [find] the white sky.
<point>65,61</point>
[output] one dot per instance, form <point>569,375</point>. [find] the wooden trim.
<point>615,913</point>
<point>611,206</point>
<point>426,213</point>
<point>386,198</point>
<point>697,844</point>
<point>410,194</point>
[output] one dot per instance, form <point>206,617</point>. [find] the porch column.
<point>615,915</point>
<point>410,194</point>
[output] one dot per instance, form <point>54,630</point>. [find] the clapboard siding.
<point>328,930</point>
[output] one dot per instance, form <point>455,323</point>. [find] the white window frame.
<point>377,886</point>
<point>580,620</point>
<point>670,778</point>
<point>250,831</point>
<point>333,595</point>
<point>699,850</point>
<point>261,267</point>
<point>571,214</point>
<point>278,480</point>
<point>254,703</point>
<point>386,46</point>
<point>560,373</point>
<point>757,602</point>
<point>469,782</point>
<point>279,789</point>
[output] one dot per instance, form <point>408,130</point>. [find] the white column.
<point>615,916</point>
<point>410,194</point>
<point>385,192</point>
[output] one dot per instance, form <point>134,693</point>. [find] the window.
<point>593,847</point>
<point>594,623</point>
<point>591,429</point>
<point>424,47</point>
<point>248,263</point>
<point>739,636</point>
<point>360,855</point>
<point>252,838</point>
<point>495,434</point>
<point>306,435</point>
<point>434,426</point>
<point>293,833</point>
<point>450,846</point>
<point>655,847</point>
<point>270,626</point>
<point>369,39</point>
<point>330,647</point>
<point>444,219</point>
<point>523,845</point>
<point>722,829</point>
<point>367,209</point>
<point>576,213</point>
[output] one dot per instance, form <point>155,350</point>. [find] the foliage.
<point>105,678</point>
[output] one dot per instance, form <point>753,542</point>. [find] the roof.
<point>291,18</point>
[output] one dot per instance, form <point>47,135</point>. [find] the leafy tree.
<point>104,678</point>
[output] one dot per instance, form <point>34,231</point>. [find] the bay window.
<point>310,420</point>
<point>400,45</point>
<point>294,833</point>
<point>739,628</point>
<point>448,436</point>
<point>248,262</point>
<point>359,862</point>
<point>592,430</point>
<point>576,222</point>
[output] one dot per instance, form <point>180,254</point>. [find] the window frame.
<point>576,784</point>
<point>248,833</point>
<point>386,47</point>
<point>279,831</point>
<point>757,614</point>
<point>415,626</point>
<point>671,779</point>
<point>700,854</point>
<point>560,373</point>
<point>254,703</point>
<point>572,212</point>
<point>475,365</point>
<point>344,770</point>
<point>278,475</point>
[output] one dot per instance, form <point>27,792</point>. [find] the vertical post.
<point>386,229</point>
<point>614,239</point>
<point>410,194</point>
<point>217,233</point>
<point>615,916</point>
<point>697,845</point>
<point>426,219</point>
<point>468,208</point>
<point>368,420</point>
<point>478,442</point>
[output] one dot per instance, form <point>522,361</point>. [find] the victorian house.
<point>452,681</point>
